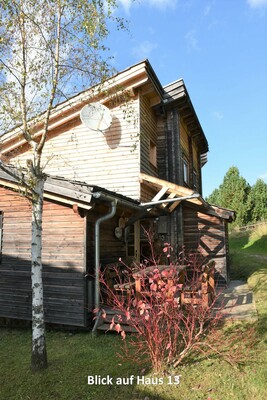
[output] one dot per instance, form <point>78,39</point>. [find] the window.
<point>1,234</point>
<point>186,171</point>
<point>153,153</point>
<point>194,179</point>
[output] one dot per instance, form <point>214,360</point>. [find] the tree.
<point>49,51</point>
<point>257,200</point>
<point>214,197</point>
<point>233,194</point>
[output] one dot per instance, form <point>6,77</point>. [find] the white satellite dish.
<point>96,116</point>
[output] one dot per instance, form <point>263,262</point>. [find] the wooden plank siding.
<point>207,235</point>
<point>162,147</point>
<point>184,139</point>
<point>63,261</point>
<point>110,159</point>
<point>111,248</point>
<point>148,136</point>
<point>195,158</point>
<point>191,153</point>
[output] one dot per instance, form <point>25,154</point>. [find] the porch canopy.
<point>169,195</point>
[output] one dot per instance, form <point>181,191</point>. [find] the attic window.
<point>153,153</point>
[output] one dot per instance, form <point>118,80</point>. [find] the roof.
<point>169,196</point>
<point>67,191</point>
<point>177,92</point>
<point>130,78</point>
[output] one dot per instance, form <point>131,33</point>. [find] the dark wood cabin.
<point>149,160</point>
<point>68,254</point>
<point>191,224</point>
<point>71,211</point>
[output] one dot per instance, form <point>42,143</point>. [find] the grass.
<point>74,356</point>
<point>249,263</point>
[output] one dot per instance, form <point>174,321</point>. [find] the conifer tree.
<point>257,201</point>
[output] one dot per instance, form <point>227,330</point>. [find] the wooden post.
<point>137,241</point>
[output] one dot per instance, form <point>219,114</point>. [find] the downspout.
<point>109,215</point>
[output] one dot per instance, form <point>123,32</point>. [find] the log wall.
<point>63,261</point>
<point>111,248</point>
<point>148,136</point>
<point>207,235</point>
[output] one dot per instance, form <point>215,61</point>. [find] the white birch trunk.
<point>39,356</point>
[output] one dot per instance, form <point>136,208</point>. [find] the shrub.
<point>165,331</point>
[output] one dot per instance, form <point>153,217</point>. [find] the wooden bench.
<point>202,291</point>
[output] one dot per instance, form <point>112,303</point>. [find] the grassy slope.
<point>72,357</point>
<point>249,263</point>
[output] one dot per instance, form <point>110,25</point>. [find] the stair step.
<point>110,311</point>
<point>126,328</point>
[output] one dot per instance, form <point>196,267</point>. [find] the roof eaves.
<point>62,188</point>
<point>154,79</point>
<point>176,92</point>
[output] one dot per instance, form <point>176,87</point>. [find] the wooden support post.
<point>137,241</point>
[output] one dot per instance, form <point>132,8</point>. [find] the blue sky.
<point>219,48</point>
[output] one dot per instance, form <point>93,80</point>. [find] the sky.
<point>219,49</point>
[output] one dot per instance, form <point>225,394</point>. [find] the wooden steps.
<point>104,323</point>
<point>125,328</point>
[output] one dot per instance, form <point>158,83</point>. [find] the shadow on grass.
<point>257,245</point>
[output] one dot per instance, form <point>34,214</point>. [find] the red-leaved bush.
<point>164,330</point>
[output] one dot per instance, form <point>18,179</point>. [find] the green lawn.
<point>72,357</point>
<point>75,356</point>
<point>249,263</point>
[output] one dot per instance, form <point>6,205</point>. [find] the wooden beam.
<point>156,182</point>
<point>159,195</point>
<point>179,191</point>
<point>171,196</point>
<point>70,202</point>
<point>174,205</point>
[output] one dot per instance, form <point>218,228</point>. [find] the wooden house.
<point>145,168</point>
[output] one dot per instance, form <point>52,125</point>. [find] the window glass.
<point>186,172</point>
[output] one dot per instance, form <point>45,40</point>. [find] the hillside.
<point>248,251</point>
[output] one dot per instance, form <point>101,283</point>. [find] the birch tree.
<point>49,50</point>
